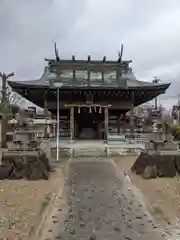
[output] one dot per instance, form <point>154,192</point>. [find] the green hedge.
<point>175,130</point>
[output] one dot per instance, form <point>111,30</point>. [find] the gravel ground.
<point>22,204</point>
<point>162,196</point>
<point>98,203</point>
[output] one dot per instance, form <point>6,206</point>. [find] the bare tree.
<point>4,106</point>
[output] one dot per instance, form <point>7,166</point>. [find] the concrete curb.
<point>44,217</point>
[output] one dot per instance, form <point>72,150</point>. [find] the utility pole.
<point>4,107</point>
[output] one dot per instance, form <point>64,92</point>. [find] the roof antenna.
<point>120,54</point>
<point>56,53</point>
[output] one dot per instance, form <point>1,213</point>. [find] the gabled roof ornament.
<point>156,80</point>
<point>120,54</point>
<point>73,58</point>
<point>56,53</point>
<point>104,59</point>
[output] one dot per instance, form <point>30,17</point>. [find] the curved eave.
<point>42,85</point>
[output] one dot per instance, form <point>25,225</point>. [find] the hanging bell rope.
<point>94,109</point>
<point>90,110</point>
<point>79,109</point>
<point>100,110</point>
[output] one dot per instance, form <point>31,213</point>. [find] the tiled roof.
<point>66,78</point>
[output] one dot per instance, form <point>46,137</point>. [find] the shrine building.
<point>93,95</point>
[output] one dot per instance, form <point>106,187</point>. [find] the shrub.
<point>175,130</point>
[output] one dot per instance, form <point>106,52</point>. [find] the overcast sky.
<point>149,30</point>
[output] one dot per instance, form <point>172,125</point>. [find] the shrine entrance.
<point>89,123</point>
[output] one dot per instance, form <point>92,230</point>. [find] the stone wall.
<point>156,165</point>
<point>28,165</point>
<point>167,146</point>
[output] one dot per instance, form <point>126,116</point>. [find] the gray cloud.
<point>29,29</point>
<point>150,31</point>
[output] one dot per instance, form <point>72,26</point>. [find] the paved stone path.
<point>97,203</point>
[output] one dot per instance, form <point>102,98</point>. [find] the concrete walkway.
<point>98,203</point>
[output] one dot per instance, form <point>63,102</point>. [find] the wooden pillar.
<point>106,116</point>
<point>118,124</point>
<point>72,123</point>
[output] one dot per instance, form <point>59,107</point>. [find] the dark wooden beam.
<point>120,54</point>
<point>87,66</point>
<point>84,61</point>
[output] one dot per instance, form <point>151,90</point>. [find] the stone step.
<point>89,159</point>
<point>86,152</point>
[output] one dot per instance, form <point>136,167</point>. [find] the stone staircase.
<point>95,149</point>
